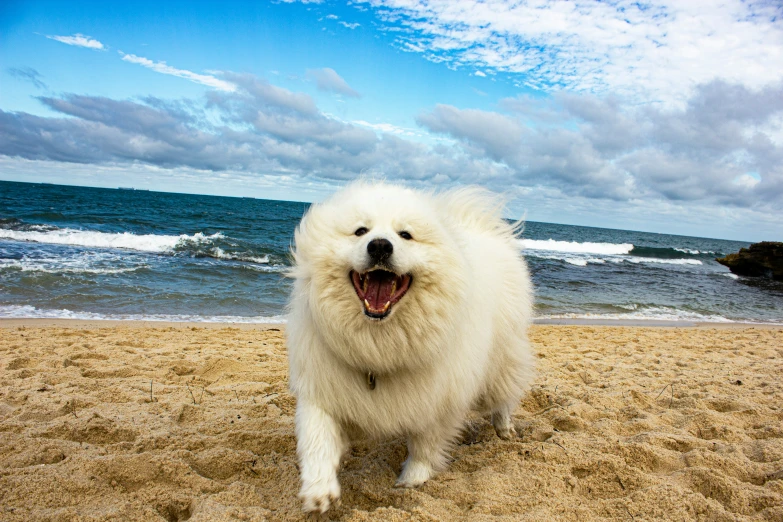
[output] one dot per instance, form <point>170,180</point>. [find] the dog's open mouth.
<point>379,290</point>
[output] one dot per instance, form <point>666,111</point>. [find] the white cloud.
<point>650,52</point>
<point>327,79</point>
<point>79,40</point>
<point>747,181</point>
<point>579,158</point>
<point>163,68</point>
<point>479,73</point>
<point>712,151</point>
<point>351,25</point>
<point>387,128</point>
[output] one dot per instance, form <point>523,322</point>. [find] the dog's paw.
<point>506,432</point>
<point>413,475</point>
<point>317,498</point>
<point>503,425</point>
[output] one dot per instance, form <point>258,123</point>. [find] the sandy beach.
<point>152,421</point>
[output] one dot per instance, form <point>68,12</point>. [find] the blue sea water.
<point>125,254</point>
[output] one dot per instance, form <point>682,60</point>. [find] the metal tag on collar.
<point>371,380</point>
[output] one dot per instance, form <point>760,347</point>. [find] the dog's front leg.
<point>320,443</point>
<point>427,454</point>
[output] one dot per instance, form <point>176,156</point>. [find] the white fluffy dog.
<point>408,310</point>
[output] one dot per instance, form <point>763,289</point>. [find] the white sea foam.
<point>661,261</point>
<point>653,313</point>
<point>56,267</point>
<point>577,259</point>
<point>268,269</point>
<point>583,254</point>
<point>696,252</point>
<point>31,312</point>
<point>219,253</point>
<point>256,263</point>
<point>126,240</point>
<point>647,314</point>
<point>102,262</point>
<point>550,245</point>
<point>730,275</point>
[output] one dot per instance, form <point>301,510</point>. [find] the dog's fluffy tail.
<point>480,209</point>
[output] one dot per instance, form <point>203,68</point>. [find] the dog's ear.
<point>480,208</point>
<point>297,251</point>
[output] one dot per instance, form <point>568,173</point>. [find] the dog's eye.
<point>361,231</point>
<point>405,235</point>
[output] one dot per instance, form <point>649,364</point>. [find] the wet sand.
<point>151,421</point>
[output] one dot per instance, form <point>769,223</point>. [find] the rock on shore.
<point>763,259</point>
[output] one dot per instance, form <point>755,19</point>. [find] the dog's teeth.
<point>386,306</point>
<point>394,287</point>
<point>366,280</point>
<point>366,304</point>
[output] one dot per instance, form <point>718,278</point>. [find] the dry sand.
<point>141,422</point>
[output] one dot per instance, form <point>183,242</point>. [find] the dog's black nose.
<point>380,249</point>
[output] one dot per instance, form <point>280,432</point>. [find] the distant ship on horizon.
<point>133,188</point>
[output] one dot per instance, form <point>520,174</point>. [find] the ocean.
<point>92,253</point>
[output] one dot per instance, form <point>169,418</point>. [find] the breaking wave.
<point>583,254</point>
<point>573,247</point>
<point>672,253</point>
<point>216,246</point>
<point>93,239</point>
<point>76,262</point>
<point>219,253</point>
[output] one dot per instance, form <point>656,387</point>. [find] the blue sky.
<point>657,117</point>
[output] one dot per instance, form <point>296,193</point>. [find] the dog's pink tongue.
<point>379,288</point>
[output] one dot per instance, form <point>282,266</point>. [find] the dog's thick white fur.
<point>455,341</point>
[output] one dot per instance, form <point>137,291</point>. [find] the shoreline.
<point>131,323</point>
<point>13,322</point>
